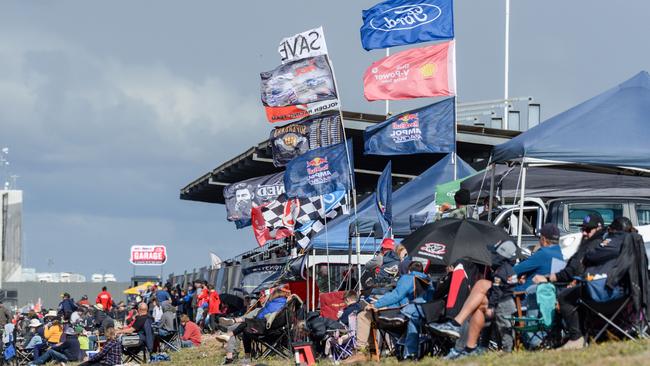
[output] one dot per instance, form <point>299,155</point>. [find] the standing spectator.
<point>191,333</point>
<point>156,310</point>
<point>163,295</point>
<point>214,307</point>
<point>66,306</point>
<point>105,299</point>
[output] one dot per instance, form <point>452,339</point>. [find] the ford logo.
<point>405,17</point>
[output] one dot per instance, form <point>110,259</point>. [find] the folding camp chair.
<point>277,338</point>
<point>134,350</point>
<point>170,341</point>
<point>543,328</point>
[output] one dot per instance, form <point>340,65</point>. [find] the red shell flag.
<point>414,73</point>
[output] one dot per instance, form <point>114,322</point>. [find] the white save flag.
<point>215,261</point>
<point>306,44</point>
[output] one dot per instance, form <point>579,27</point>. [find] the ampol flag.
<point>415,73</point>
<point>319,172</point>
<point>400,22</point>
<point>384,198</point>
<point>429,129</point>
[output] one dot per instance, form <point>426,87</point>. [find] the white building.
<point>11,208</point>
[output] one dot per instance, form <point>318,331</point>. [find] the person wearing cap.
<point>101,319</point>
<point>592,236</point>
<point>84,301</point>
<point>540,263</point>
<point>66,351</point>
<point>384,265</point>
<point>489,299</point>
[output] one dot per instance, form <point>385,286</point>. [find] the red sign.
<point>148,255</point>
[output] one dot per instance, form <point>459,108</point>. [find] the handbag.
<point>131,340</point>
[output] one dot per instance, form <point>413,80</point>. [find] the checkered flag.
<point>314,212</point>
<point>274,220</point>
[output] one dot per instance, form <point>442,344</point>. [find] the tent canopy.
<point>610,130</point>
<point>411,198</point>
<point>553,183</point>
<point>137,289</point>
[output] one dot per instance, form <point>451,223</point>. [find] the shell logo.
<point>428,70</point>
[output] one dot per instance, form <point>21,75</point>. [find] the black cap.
<point>462,197</point>
<point>591,221</point>
<point>550,232</point>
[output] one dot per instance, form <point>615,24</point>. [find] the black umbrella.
<point>445,241</point>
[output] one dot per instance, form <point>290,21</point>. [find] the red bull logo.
<point>408,120</point>
<point>316,162</point>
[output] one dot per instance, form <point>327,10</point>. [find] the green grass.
<point>611,353</point>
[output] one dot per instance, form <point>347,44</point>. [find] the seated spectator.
<point>403,294</point>
<point>32,338</point>
<point>276,302</point>
<point>102,320</point>
<point>404,258</point>
<point>142,326</point>
<point>592,236</point>
<point>191,333</point>
<point>83,302</point>
<point>110,354</point>
<point>163,295</point>
<point>53,329</point>
<point>384,265</point>
<point>67,351</point>
<point>541,261</point>
<point>488,299</point>
<point>167,319</point>
<point>325,281</point>
<point>352,306</point>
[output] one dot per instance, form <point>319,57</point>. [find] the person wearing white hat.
<point>53,329</point>
<point>33,339</point>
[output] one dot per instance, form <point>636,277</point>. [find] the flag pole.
<point>387,101</point>
<point>455,156</point>
<point>351,172</point>
<point>506,67</point>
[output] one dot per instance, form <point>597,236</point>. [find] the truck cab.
<point>567,213</point>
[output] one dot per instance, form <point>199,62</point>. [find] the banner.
<point>148,255</point>
<point>240,197</point>
<point>294,112</point>
<point>318,172</point>
<point>295,139</point>
<point>384,198</point>
<point>399,22</point>
<point>306,44</point>
<point>415,73</point>
<point>298,82</point>
<point>429,129</point>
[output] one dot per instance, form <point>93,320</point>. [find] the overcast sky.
<point>110,107</point>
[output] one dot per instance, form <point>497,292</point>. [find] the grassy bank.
<point>612,353</point>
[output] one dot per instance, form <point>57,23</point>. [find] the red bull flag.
<point>318,172</point>
<point>415,73</point>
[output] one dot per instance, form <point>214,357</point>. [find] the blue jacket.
<point>403,292</point>
<point>162,295</point>
<point>272,306</point>
<point>537,264</point>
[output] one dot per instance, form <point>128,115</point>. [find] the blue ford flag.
<point>384,198</point>
<point>400,22</point>
<point>318,172</point>
<point>428,129</point>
